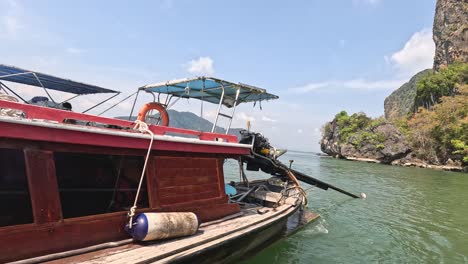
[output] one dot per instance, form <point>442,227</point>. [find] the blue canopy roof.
<point>17,75</point>
<point>210,89</point>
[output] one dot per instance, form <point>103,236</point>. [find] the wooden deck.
<point>211,235</point>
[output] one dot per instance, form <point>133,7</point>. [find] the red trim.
<point>38,112</point>
<point>37,133</point>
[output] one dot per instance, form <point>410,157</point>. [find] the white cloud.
<point>310,87</point>
<point>267,119</point>
<point>74,51</point>
<point>416,55</point>
<point>354,84</point>
<point>201,66</point>
<point>245,117</point>
<point>300,131</point>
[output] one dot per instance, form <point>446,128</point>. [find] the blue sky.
<point>320,57</point>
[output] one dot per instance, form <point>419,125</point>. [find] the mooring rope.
<point>7,97</point>
<point>143,128</point>
<point>8,111</point>
<point>297,186</point>
<point>288,172</point>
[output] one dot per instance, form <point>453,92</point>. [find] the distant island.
<point>426,119</point>
<point>189,120</point>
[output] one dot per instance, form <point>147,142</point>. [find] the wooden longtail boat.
<point>71,183</point>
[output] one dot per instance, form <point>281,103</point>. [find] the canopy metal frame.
<point>229,94</point>
<point>5,88</point>
<point>220,104</point>
<point>35,76</point>
<point>5,77</point>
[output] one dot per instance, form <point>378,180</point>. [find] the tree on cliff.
<point>433,86</point>
<point>442,133</point>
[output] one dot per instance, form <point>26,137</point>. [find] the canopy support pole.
<point>219,109</point>
<point>133,106</point>
<point>45,90</point>
<point>117,103</point>
<point>100,103</point>
<point>3,88</point>
<point>202,94</point>
<point>233,110</point>
<point>15,74</point>
<point>73,97</point>
<point>13,92</point>
<point>35,76</point>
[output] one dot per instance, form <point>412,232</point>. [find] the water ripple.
<point>410,216</point>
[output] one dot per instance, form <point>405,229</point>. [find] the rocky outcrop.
<point>450,32</point>
<point>401,101</point>
<point>393,146</point>
<point>411,161</point>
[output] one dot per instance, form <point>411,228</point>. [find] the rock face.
<point>401,101</point>
<point>450,32</point>
<point>329,144</point>
<point>394,146</point>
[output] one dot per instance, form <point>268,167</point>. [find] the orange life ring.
<point>154,106</point>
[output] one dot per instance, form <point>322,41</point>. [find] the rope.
<point>299,187</point>
<point>288,172</point>
<point>9,111</point>
<point>7,97</point>
<point>143,128</point>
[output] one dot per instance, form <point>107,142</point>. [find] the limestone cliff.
<point>450,32</point>
<point>435,137</point>
<point>360,137</point>
<point>401,101</point>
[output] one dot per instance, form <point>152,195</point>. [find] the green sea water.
<point>411,215</point>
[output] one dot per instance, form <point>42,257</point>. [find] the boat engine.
<point>264,156</point>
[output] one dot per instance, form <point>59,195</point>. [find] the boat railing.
<point>208,89</point>
<point>34,112</point>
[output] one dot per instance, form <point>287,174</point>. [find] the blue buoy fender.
<point>153,226</point>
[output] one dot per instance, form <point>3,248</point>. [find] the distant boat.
<point>81,188</point>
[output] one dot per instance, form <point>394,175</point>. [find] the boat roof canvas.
<point>210,89</point>
<point>17,75</point>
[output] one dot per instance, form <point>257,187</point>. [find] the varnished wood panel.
<point>51,234</point>
<point>32,240</point>
<point>45,199</point>
<point>172,191</point>
<point>152,183</point>
<point>187,179</point>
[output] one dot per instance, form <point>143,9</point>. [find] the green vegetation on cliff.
<point>358,128</point>
<point>442,132</point>
<point>401,102</point>
<point>433,86</point>
<point>436,132</point>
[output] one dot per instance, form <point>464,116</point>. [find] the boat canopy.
<point>211,90</point>
<point>17,75</point>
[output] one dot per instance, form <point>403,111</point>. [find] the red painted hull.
<point>83,135</point>
<point>196,184</point>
